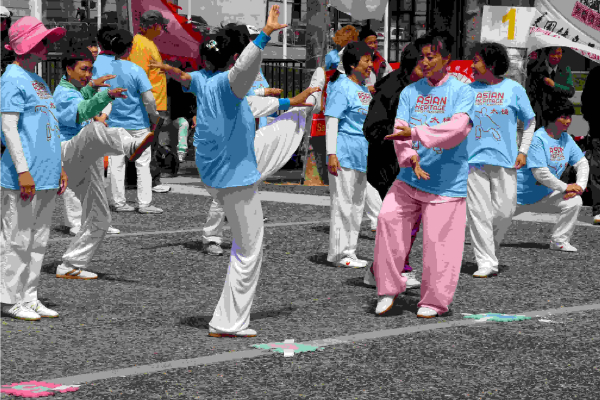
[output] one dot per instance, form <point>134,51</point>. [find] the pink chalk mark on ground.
<point>36,389</point>
<point>281,347</point>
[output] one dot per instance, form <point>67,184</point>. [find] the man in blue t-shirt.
<point>539,187</point>
<point>433,120</point>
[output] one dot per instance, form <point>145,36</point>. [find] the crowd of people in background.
<point>415,148</point>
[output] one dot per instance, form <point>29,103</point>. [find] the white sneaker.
<point>318,80</point>
<point>565,246</point>
<point>150,210</point>
<point>485,272</point>
<point>349,262</point>
<point>41,309</point>
<point>384,304</point>
<point>72,273</point>
<point>125,208</point>
<point>596,219</point>
<point>181,157</point>
<point>213,248</point>
<point>369,278</point>
<point>161,189</point>
<point>243,333</point>
<point>20,311</point>
<point>112,230</point>
<point>74,230</point>
<point>426,312</point>
<point>412,281</point>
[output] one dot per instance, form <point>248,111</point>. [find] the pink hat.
<point>27,32</point>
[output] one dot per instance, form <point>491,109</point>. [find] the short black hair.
<point>104,38</point>
<point>352,54</point>
<point>494,56</point>
<point>556,108</point>
<point>115,40</point>
<point>72,55</point>
<point>441,41</point>
<point>218,48</point>
<point>365,33</point>
<point>409,59</point>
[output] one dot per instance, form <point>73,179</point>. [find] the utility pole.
<point>123,14</point>
<point>317,30</point>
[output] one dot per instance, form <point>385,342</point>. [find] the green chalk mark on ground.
<point>280,347</point>
<point>498,317</point>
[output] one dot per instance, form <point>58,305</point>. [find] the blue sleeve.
<point>525,112</point>
<point>337,103</point>
<point>536,157</point>
<point>13,98</point>
<point>284,104</point>
<point>67,104</point>
<point>224,87</point>
<point>465,103</point>
<point>261,40</point>
<point>575,153</point>
<point>194,84</point>
<point>403,111</point>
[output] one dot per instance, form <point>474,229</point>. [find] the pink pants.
<point>444,223</point>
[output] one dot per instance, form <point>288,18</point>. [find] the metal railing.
<point>289,75</point>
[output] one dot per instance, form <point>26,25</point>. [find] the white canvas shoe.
<point>485,272</point>
<point>41,309</point>
<point>426,312</point>
<point>412,282</point>
<point>349,262</point>
<point>564,246</point>
<point>20,311</point>
<point>243,333</point>
<point>384,304</point>
<point>596,219</point>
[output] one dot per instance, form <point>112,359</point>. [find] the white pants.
<point>84,164</point>
<point>23,239</point>
<point>347,191</point>
<point>144,178</point>
<point>373,202</point>
<point>71,209</point>
<point>273,145</point>
<point>491,203</point>
<point>554,203</point>
<point>244,212</point>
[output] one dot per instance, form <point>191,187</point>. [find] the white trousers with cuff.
<point>347,191</point>
<point>491,204</point>
<point>84,164</point>
<point>23,240</point>
<point>273,146</point>
<point>568,211</point>
<point>244,212</point>
<point>144,178</point>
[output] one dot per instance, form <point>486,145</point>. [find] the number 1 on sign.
<point>511,17</point>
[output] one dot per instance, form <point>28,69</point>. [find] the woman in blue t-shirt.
<point>345,113</point>
<point>539,188</point>
<point>494,157</point>
<point>30,171</point>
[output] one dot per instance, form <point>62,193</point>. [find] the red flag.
<point>181,42</point>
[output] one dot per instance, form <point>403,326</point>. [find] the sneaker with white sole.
<point>349,262</point>
<point>485,272</point>
<point>150,210</point>
<point>161,188</point>
<point>369,278</point>
<point>426,312</point>
<point>124,208</point>
<point>112,230</point>
<point>72,273</point>
<point>74,230</point>
<point>596,219</point>
<point>564,246</point>
<point>384,304</point>
<point>412,282</point>
<point>213,248</point>
<point>20,311</point>
<point>41,309</point>
<point>243,333</point>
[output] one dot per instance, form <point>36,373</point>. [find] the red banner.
<point>181,42</point>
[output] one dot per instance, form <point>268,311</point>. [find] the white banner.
<point>361,9</point>
<point>540,38</point>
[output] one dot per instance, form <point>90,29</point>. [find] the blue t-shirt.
<point>128,113</point>
<point>67,102</point>
<point>26,93</point>
<point>332,59</point>
<point>545,151</point>
<point>224,137</point>
<point>259,83</point>
<point>422,104</point>
<point>349,102</point>
<point>493,139</point>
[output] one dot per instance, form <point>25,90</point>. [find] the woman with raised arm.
<point>226,161</point>
<point>30,173</point>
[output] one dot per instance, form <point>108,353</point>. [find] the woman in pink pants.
<point>436,114</point>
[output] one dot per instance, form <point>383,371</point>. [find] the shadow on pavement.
<point>527,245</point>
<point>201,321</point>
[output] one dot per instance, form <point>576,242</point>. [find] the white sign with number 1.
<point>507,25</point>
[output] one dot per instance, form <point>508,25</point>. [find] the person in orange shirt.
<point>144,51</point>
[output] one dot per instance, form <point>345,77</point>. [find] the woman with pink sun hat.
<point>31,173</point>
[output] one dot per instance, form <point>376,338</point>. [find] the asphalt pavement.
<point>140,330</point>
